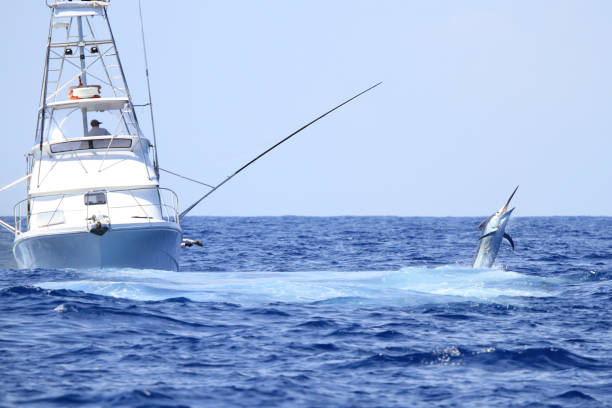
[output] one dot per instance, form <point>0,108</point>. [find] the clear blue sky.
<point>478,96</point>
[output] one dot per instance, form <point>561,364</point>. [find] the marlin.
<point>492,234</point>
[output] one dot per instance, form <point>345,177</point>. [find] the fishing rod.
<point>215,188</point>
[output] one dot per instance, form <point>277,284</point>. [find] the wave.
<point>490,358</point>
<point>407,286</point>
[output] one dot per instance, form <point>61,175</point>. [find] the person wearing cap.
<point>96,130</point>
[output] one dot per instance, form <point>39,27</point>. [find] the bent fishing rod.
<point>215,188</point>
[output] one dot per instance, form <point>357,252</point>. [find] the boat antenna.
<point>150,103</point>
<point>215,188</point>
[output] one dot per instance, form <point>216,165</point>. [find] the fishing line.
<point>181,215</point>
<point>187,178</point>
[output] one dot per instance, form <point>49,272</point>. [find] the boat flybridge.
<point>93,195</point>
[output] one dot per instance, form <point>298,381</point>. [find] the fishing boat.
<point>93,194</point>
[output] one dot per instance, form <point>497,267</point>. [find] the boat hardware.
<point>99,224</point>
<point>190,242</point>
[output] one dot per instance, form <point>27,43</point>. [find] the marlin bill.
<point>492,234</point>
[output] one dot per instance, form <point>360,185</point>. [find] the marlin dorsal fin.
<point>483,223</point>
<point>509,238</point>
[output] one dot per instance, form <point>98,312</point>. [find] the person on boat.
<point>96,130</point>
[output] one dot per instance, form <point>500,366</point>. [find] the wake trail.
<point>407,286</point>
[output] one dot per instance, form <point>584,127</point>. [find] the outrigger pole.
<point>215,188</point>
<point>150,103</point>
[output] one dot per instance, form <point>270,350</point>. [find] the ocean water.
<point>315,312</point>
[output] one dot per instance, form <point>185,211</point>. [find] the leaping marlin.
<point>492,234</point>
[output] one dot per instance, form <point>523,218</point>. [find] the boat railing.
<point>170,208</point>
<point>167,207</point>
<point>18,219</point>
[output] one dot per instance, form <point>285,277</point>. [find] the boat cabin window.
<point>120,143</point>
<point>95,198</point>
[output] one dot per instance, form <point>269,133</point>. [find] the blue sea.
<point>321,312</point>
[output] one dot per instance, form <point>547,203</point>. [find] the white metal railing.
<point>167,206</point>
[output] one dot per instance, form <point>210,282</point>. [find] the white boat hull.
<point>129,246</point>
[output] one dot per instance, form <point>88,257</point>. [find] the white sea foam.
<point>405,286</point>
<point>64,308</point>
<point>60,309</point>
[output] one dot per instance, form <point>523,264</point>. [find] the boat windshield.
<point>87,144</point>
